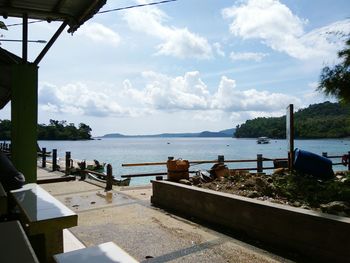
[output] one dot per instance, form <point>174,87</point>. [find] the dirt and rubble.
<point>283,187</point>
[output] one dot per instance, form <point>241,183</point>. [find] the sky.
<point>185,66</point>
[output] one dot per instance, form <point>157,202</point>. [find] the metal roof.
<point>75,12</point>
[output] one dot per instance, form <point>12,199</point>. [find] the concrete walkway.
<point>126,217</point>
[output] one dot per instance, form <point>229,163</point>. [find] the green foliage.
<point>336,81</point>
<point>324,120</point>
<point>55,130</point>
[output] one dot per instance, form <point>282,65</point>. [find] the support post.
<point>348,161</point>
<point>24,109</point>
<point>54,159</point>
<point>68,157</point>
<point>43,152</point>
<point>221,159</point>
<point>325,154</point>
<point>109,178</point>
<point>259,163</point>
<point>25,38</point>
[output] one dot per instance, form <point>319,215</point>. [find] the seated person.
<point>10,178</point>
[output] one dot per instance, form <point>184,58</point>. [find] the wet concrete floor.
<point>126,217</point>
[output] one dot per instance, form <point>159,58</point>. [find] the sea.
<point>118,151</point>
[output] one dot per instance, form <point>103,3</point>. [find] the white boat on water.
<point>263,140</point>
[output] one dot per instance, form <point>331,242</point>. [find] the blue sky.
<point>186,66</point>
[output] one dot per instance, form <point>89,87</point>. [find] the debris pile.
<point>290,188</point>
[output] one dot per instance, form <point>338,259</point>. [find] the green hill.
<point>323,120</point>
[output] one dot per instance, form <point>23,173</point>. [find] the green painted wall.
<point>24,112</point>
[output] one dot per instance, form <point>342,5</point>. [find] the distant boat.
<point>263,140</point>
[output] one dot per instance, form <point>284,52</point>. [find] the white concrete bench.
<point>104,253</point>
<point>43,218</point>
<point>3,201</point>
<point>14,244</point>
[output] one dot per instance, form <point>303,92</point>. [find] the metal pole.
<point>259,160</point>
<point>43,152</point>
<point>54,159</point>
<point>50,43</point>
<point>68,156</point>
<point>109,178</point>
<point>25,38</point>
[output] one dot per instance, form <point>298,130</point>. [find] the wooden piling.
<point>221,159</point>
<point>43,152</point>
<point>109,179</point>
<point>325,154</point>
<point>54,159</point>
<point>259,163</point>
<point>82,170</point>
<point>68,158</point>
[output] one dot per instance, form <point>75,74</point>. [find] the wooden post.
<point>221,159</point>
<point>290,135</point>
<point>82,170</point>
<point>348,161</point>
<point>259,160</point>
<point>54,159</point>
<point>43,152</point>
<point>109,178</point>
<point>325,154</point>
<point>68,157</point>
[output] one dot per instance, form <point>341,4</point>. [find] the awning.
<point>75,12</point>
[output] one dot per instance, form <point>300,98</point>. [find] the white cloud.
<point>229,98</point>
<point>255,56</point>
<point>164,94</point>
<point>189,92</point>
<point>99,34</point>
<point>177,42</point>
<point>218,49</point>
<point>78,99</point>
<point>280,29</point>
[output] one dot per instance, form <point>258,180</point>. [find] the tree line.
<point>323,120</point>
<point>55,130</point>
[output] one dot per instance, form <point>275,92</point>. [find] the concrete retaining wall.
<point>315,236</point>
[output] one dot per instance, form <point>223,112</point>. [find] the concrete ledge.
<point>316,236</point>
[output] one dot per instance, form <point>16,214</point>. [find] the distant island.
<point>322,120</point>
<point>55,130</point>
<point>205,134</point>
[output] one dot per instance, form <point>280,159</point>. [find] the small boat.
<point>102,179</point>
<point>263,140</point>
<point>96,166</point>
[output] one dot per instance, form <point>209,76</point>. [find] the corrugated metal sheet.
<point>76,12</point>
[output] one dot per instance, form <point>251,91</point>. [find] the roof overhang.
<point>74,12</point>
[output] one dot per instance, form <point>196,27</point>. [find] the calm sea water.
<point>134,150</point>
